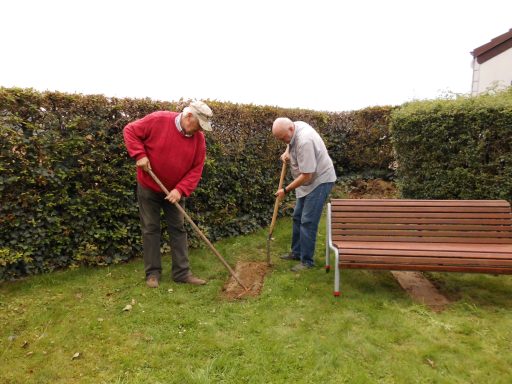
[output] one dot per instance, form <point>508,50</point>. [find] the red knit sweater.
<point>177,160</point>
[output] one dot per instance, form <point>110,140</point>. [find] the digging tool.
<point>199,232</point>
<point>274,216</point>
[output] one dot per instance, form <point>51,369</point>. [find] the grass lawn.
<point>294,332</point>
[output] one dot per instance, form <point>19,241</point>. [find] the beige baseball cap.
<point>203,114</point>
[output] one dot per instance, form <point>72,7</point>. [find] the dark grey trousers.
<point>150,205</point>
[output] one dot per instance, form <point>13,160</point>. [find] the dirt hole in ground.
<point>251,274</point>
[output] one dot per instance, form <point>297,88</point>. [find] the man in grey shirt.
<point>314,177</point>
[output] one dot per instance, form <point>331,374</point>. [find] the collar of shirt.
<point>292,141</point>
<point>178,126</point>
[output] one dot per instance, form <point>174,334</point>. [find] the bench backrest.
<point>468,221</point>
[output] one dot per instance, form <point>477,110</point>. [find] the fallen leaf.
<point>133,301</point>
<point>100,319</point>
<point>29,353</point>
<point>25,344</point>
<point>76,356</point>
<point>431,363</point>
<point>127,308</point>
<point>170,290</point>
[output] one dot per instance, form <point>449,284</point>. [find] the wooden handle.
<point>276,204</point>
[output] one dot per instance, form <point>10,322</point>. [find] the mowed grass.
<point>294,332</point>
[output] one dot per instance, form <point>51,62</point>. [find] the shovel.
<point>274,216</point>
<point>199,232</point>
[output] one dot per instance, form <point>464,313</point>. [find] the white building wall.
<point>495,73</point>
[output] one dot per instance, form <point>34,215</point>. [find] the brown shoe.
<point>193,280</point>
<point>152,281</point>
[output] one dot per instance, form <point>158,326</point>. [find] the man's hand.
<point>280,193</point>
<point>143,163</point>
<point>174,196</point>
<point>286,154</point>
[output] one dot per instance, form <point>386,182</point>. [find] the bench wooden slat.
<point>419,203</point>
<point>431,227</point>
<point>433,268</point>
<point>427,239</point>
<point>401,259</point>
<point>414,232</point>
<point>434,247</point>
<point>420,220</point>
<point>376,215</point>
<point>450,209</point>
<point>448,254</point>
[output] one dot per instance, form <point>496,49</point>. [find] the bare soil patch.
<point>372,189</point>
<point>421,290</point>
<point>251,274</point>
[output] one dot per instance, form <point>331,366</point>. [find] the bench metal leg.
<point>336,273</point>
<point>330,246</point>
<point>327,239</point>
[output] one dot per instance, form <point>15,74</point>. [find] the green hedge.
<point>67,185</point>
<point>365,142</point>
<point>455,149</point>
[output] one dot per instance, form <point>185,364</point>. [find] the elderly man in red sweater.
<point>173,146</point>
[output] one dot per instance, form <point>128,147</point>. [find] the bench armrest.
<point>328,238</point>
<point>330,246</point>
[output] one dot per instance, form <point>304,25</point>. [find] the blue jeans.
<point>306,217</point>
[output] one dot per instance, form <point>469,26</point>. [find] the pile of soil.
<point>372,189</point>
<point>251,274</point>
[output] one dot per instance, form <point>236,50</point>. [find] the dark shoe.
<point>152,281</point>
<point>289,256</point>
<point>300,267</point>
<point>193,280</point>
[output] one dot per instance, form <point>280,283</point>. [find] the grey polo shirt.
<point>308,154</point>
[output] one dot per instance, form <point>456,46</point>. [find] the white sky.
<point>317,54</point>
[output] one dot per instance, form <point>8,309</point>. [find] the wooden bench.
<point>419,235</point>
